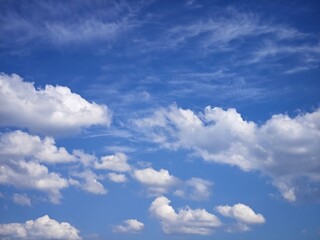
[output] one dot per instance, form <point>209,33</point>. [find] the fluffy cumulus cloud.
<point>52,110</point>
<point>118,178</point>
<point>185,221</point>
<point>157,182</point>
<point>32,175</point>
<point>117,162</point>
<point>243,214</point>
<point>22,165</point>
<point>89,182</point>
<point>41,228</point>
<point>129,226</point>
<point>21,158</point>
<point>160,182</point>
<point>24,160</point>
<point>19,145</point>
<point>284,148</point>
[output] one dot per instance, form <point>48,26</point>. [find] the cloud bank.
<point>283,148</point>
<point>41,228</point>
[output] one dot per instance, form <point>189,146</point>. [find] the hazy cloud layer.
<point>60,23</point>
<point>22,199</point>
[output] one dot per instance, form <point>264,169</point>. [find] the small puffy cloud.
<point>41,228</point>
<point>117,178</point>
<point>129,226</point>
<point>195,189</point>
<point>84,158</point>
<point>18,144</point>
<point>243,214</point>
<point>157,182</point>
<point>90,182</point>
<point>283,148</point>
<point>117,162</point>
<point>185,221</point>
<point>160,182</point>
<point>22,199</point>
<point>52,110</point>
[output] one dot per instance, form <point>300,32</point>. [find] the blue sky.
<point>159,119</point>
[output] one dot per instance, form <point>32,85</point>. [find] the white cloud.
<point>91,183</point>
<point>284,148</point>
<point>243,214</point>
<point>224,32</point>
<point>160,182</point>
<point>21,199</point>
<point>157,182</point>
<point>22,157</point>
<point>117,162</point>
<point>21,145</point>
<point>117,148</point>
<point>129,226</point>
<point>66,23</point>
<point>118,178</point>
<point>88,30</point>
<point>272,50</point>
<point>52,110</point>
<point>41,228</point>
<point>32,175</point>
<point>195,189</point>
<point>84,158</point>
<point>185,221</point>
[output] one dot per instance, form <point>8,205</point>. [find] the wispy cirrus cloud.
<point>59,23</point>
<point>223,30</point>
